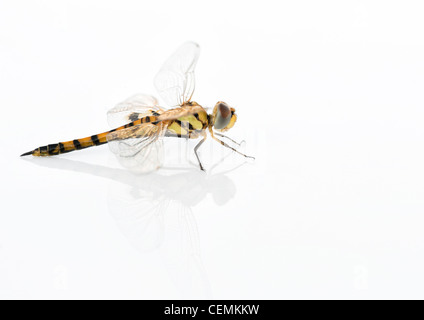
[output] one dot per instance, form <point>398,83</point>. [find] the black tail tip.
<point>26,154</point>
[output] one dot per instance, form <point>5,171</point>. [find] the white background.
<point>329,97</point>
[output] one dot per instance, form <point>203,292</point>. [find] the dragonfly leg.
<point>195,152</point>
<point>224,136</point>
<point>227,146</point>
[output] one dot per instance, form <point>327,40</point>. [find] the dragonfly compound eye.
<point>222,116</point>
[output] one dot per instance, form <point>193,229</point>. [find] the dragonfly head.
<point>223,117</point>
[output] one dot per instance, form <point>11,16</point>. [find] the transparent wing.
<point>135,107</point>
<point>139,148</point>
<point>175,80</point>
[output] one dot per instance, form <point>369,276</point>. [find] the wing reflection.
<point>154,212</point>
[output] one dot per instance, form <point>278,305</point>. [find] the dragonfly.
<point>140,123</point>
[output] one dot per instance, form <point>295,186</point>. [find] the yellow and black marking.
<point>189,126</point>
<point>78,144</point>
<point>136,116</point>
<point>152,118</point>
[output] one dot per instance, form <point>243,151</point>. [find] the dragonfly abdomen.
<point>68,146</point>
<point>78,144</point>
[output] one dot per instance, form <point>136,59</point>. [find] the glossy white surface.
<point>329,99</point>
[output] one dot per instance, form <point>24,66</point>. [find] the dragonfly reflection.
<point>154,212</point>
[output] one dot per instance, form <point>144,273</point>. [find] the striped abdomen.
<point>78,144</point>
